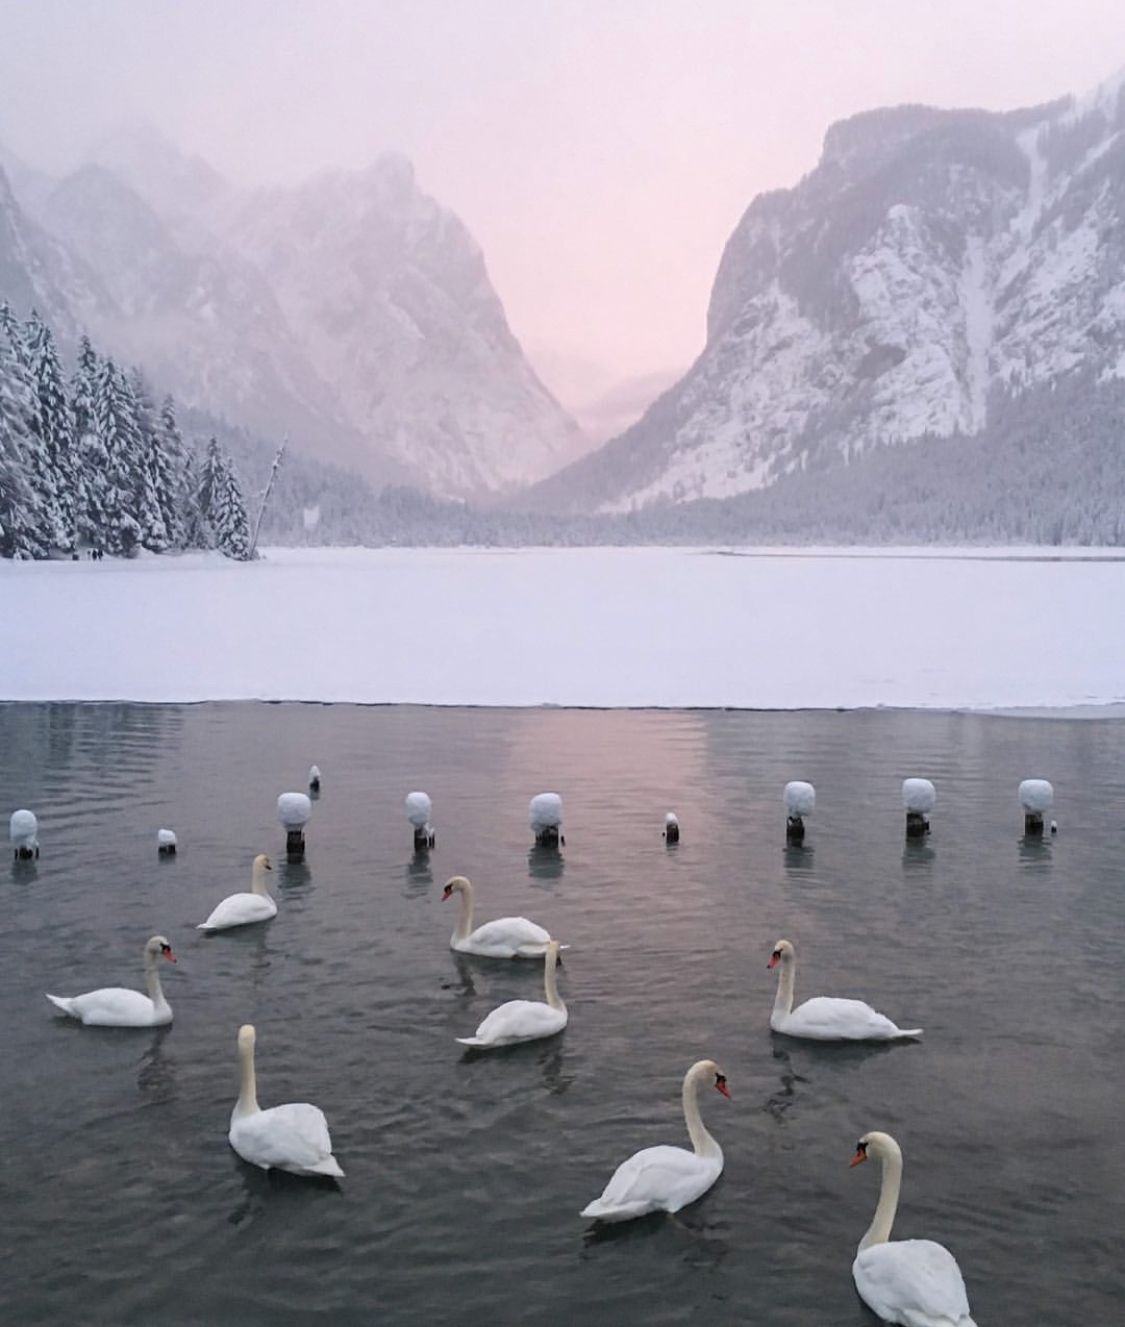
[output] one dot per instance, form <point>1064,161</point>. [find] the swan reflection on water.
<point>263,1189</point>
<point>466,981</point>
<point>156,1072</point>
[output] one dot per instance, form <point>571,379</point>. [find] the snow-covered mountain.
<point>388,293</point>
<point>934,265</point>
<point>353,313</point>
<point>204,325</point>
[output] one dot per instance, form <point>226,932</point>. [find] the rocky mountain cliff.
<point>932,267</point>
<point>353,313</point>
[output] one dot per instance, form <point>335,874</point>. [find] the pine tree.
<point>115,415</point>
<point>232,530</point>
<point>91,464</point>
<point>20,514</point>
<point>196,531</point>
<point>169,463</point>
<point>52,462</point>
<point>212,480</point>
<point>146,499</point>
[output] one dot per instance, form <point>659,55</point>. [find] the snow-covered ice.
<point>781,629</point>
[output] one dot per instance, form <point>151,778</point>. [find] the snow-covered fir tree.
<point>168,460</point>
<point>91,463</point>
<point>115,414</point>
<point>196,530</point>
<point>148,507</point>
<point>232,530</point>
<point>21,507</point>
<point>55,426</point>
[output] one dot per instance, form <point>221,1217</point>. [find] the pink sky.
<point>600,150</point>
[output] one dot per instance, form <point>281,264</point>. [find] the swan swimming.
<point>506,937</point>
<point>664,1179</point>
<point>242,909</point>
<point>116,1006</point>
<point>913,1282</point>
<point>825,1017</point>
<point>292,1137</point>
<point>525,1020</point>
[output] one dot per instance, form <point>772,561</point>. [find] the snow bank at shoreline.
<point>1000,629</point>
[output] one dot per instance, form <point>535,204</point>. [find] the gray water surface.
<point>122,1203</point>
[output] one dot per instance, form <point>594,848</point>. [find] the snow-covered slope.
<point>934,263</point>
<point>206,326</point>
<point>388,293</point>
<point>353,313</point>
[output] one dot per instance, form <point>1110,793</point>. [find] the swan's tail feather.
<point>328,1166</point>
<point>62,1001</point>
<point>603,1211</point>
<point>910,1032</point>
<point>471,1041</point>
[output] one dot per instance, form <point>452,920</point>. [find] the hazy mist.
<point>601,152</point>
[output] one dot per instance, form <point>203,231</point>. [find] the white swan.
<point>825,1018</point>
<point>664,1179</point>
<point>242,909</point>
<point>118,1007</point>
<point>914,1282</point>
<point>525,1020</point>
<point>293,1137</point>
<point>506,937</point>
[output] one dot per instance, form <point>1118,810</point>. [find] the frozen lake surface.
<point>640,627</point>
<point>123,1204</point>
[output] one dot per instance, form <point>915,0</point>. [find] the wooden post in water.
<point>545,815</point>
<point>23,830</point>
<point>800,801</point>
<point>1036,797</point>
<point>293,810</point>
<point>919,797</point>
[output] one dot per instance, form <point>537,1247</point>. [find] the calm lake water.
<point>123,1203</point>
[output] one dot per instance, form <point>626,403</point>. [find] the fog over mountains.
<point>353,313</point>
<point>944,283</point>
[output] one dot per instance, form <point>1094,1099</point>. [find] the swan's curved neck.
<point>549,987</point>
<point>152,980</point>
<point>879,1230</point>
<point>465,924</point>
<point>258,881</point>
<point>701,1140</point>
<point>783,999</point>
<point>247,1103</point>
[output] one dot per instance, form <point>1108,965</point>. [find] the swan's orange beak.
<point>169,955</point>
<point>447,894</point>
<point>722,1087</point>
<point>859,1158</point>
<point>774,961</point>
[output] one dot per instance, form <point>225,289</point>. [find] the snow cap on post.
<point>800,798</point>
<point>166,842</point>
<point>294,809</point>
<point>918,795</point>
<point>23,830</point>
<point>545,816</point>
<point>419,808</point>
<point>1036,795</point>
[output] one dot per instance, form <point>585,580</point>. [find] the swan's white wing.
<point>510,933</point>
<point>290,1137</point>
<point>518,1020</point>
<point>239,910</point>
<point>112,1006</point>
<point>655,1179</point>
<point>914,1282</point>
<point>826,1018</point>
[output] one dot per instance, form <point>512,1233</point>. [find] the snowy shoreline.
<point>1018,631</point>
